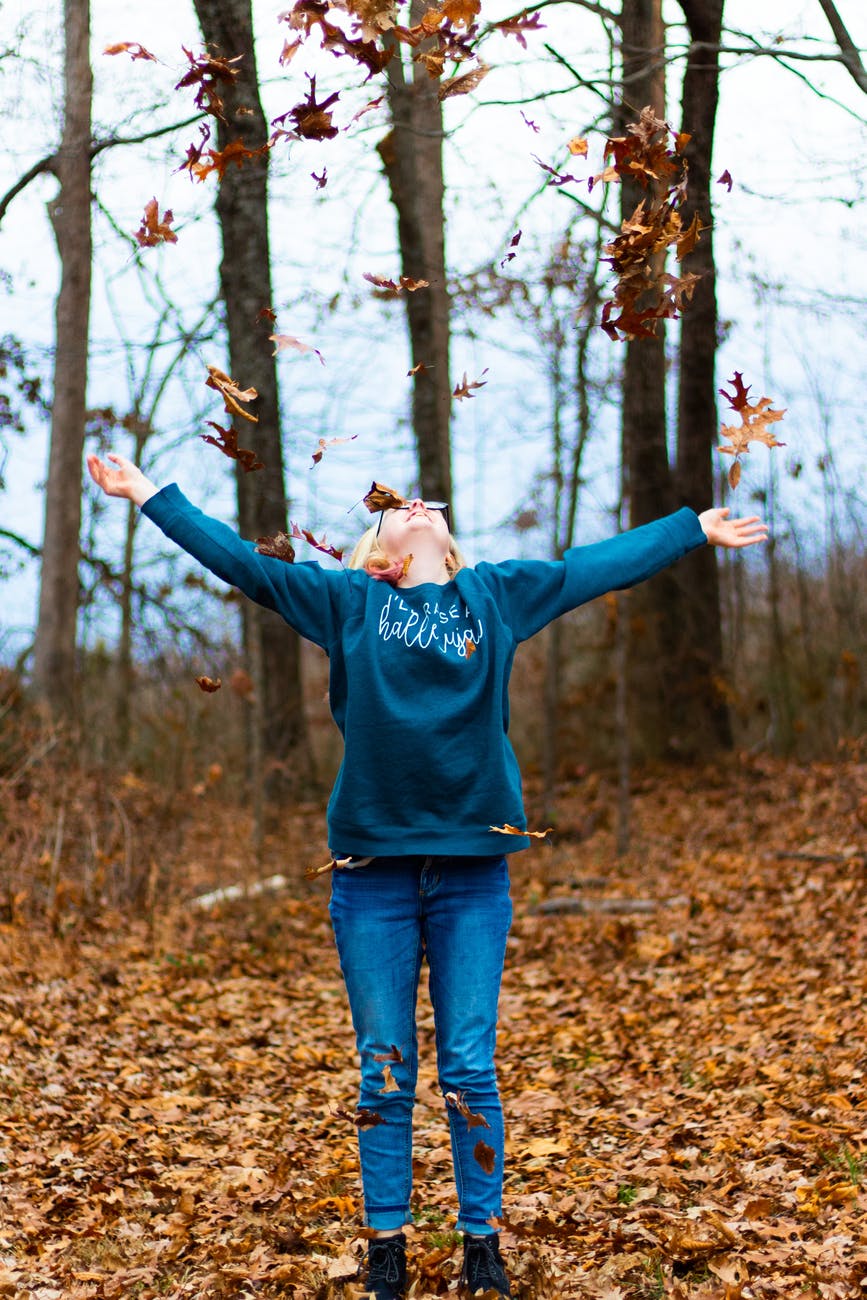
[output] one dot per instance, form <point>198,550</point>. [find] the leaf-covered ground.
<point>685,1085</point>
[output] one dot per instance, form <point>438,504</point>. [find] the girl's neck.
<point>426,566</point>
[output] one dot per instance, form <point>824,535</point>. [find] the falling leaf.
<point>474,1120</point>
<point>391,1084</point>
<point>321,181</point>
<point>687,240</point>
<point>363,1118</point>
<point>266,314</point>
<point>394,1055</point>
<point>152,230</point>
<point>506,829</point>
<point>284,341</point>
<point>333,864</point>
<point>396,286</point>
<point>557,178</point>
<point>726,179</point>
<point>485,1156</point>
<point>380,497</point>
<point>195,151</point>
<point>461,12</point>
<point>519,24</point>
<point>419,369</point>
<point>513,243</point>
<point>132,48</point>
<point>578,146</point>
<point>208,73</point>
<point>465,387</point>
<point>279,547</point>
<point>330,442</point>
<point>462,84</point>
<point>371,104</point>
<point>755,419</point>
<point>532,125</point>
<point>312,119</point>
<point>242,684</point>
<point>235,152</point>
<point>290,49</point>
<point>209,684</point>
<point>321,544</point>
<point>383,569</point>
<point>231,394</point>
<point>227,442</point>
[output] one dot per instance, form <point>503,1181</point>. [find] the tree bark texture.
<point>279,725</point>
<point>412,159</point>
<point>700,658</point>
<point>648,484</point>
<point>54,666</point>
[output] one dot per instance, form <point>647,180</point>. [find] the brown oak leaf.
<point>485,1156</point>
<point>380,497</point>
<point>226,441</point>
<point>209,684</point>
<point>279,547</point>
<point>231,394</point>
<point>132,48</point>
<point>329,442</point>
<point>152,230</point>
<point>755,419</point>
<point>465,387</point>
<point>506,829</point>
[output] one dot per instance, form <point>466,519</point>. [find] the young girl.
<point>420,654</point>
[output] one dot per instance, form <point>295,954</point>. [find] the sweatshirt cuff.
<point>163,502</point>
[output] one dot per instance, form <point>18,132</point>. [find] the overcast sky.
<point>789,241</point>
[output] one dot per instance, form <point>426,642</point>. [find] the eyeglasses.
<point>428,505</point>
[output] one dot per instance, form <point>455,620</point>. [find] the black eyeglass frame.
<point>428,505</point>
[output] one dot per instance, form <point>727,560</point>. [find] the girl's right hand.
<point>126,480</point>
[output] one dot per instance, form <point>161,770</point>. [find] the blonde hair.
<point>369,555</point>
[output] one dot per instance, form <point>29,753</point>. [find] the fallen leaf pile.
<point>685,1082</point>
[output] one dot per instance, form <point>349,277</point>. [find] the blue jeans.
<point>387,916</point>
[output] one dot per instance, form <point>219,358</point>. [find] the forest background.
<point>558,434</point>
<point>468,226</point>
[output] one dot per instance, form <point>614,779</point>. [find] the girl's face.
<point>400,529</point>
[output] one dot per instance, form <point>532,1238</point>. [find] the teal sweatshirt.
<point>428,767</point>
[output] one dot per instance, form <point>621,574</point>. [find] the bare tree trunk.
<point>245,272</point>
<point>702,711</point>
<point>567,458</point>
<point>646,473</point>
<point>779,675</point>
<point>54,666</point>
<point>412,158</point>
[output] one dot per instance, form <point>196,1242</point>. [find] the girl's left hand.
<point>722,531</point>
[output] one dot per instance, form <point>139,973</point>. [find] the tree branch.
<point>850,55</point>
<point>49,163</point>
<point>9,536</point>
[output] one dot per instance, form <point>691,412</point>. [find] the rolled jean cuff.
<point>387,1219</point>
<point>476,1227</point>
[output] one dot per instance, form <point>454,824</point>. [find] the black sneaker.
<point>386,1267</point>
<point>483,1268</point>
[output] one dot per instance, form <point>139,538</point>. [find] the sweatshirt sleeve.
<point>530,593</point>
<point>311,599</point>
